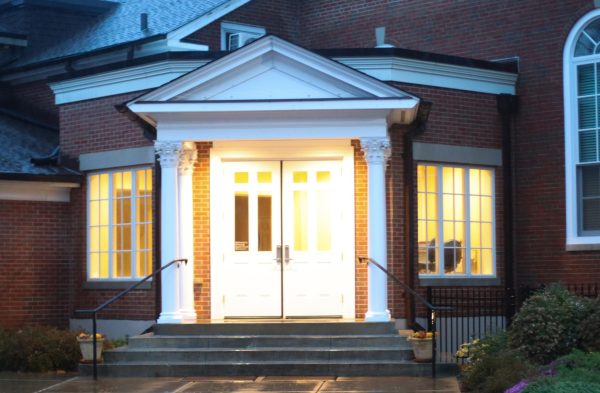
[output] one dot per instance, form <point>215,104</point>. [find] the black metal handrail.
<point>430,307</point>
<point>94,311</point>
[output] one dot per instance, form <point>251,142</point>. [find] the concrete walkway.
<point>68,384</point>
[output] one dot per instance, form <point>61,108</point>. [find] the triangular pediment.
<point>272,69</point>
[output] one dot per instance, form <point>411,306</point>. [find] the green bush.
<point>492,366</point>
<point>547,326</point>
<point>590,327</point>
<point>38,349</point>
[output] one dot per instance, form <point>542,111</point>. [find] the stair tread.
<point>265,362</point>
<point>187,336</point>
<point>257,349</point>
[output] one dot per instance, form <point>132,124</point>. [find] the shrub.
<point>590,327</point>
<point>38,349</point>
<point>492,366</point>
<point>116,343</point>
<point>546,327</point>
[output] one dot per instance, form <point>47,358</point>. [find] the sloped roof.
<point>21,140</point>
<point>119,25</point>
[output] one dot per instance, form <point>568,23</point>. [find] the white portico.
<point>281,120</point>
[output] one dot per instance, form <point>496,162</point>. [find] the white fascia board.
<point>206,19</point>
<point>122,81</point>
<point>267,106</point>
<point>434,74</point>
<point>265,128</point>
<point>14,190</point>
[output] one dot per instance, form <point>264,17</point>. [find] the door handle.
<point>286,257</point>
<point>277,254</point>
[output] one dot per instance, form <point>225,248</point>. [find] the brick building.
<point>273,143</point>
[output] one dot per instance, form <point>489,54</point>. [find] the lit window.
<point>120,224</point>
<point>455,204</point>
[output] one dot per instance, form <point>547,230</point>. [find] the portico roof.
<point>267,83</point>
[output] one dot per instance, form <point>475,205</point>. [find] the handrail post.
<point>94,343</point>
<point>433,344</point>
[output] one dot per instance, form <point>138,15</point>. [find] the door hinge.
<point>342,299</point>
<point>223,299</point>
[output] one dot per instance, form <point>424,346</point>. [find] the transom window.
<point>455,204</point>
<point>120,224</point>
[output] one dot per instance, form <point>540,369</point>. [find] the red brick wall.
<point>35,263</point>
<point>201,185</point>
<point>36,100</point>
<point>488,30</point>
<point>95,125</point>
<point>277,17</point>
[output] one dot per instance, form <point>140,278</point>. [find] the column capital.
<point>377,149</point>
<point>168,153</point>
<point>187,158</point>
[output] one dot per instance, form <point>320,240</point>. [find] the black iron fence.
<point>470,313</point>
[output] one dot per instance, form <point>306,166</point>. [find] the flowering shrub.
<point>422,335</point>
<point>546,327</point>
<point>88,336</point>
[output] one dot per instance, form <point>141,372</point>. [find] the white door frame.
<point>304,150</point>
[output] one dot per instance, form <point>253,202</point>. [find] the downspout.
<point>416,128</point>
<point>508,105</point>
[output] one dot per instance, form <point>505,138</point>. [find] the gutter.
<point>416,128</point>
<point>508,106</point>
<point>58,178</point>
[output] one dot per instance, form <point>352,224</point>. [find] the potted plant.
<point>421,343</point>
<point>86,345</point>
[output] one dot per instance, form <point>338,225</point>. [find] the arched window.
<point>582,132</point>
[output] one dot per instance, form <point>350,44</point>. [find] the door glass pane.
<point>241,221</point>
<point>323,176</point>
<point>300,177</point>
<point>264,177</point>
<point>264,222</point>
<point>300,220</point>
<point>241,177</point>
<point>323,219</point>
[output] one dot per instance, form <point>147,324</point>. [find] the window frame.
<point>134,249</point>
<point>233,28</point>
<point>441,275</point>
<point>575,238</point>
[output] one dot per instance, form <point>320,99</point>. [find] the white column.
<point>168,153</point>
<point>187,159</point>
<point>377,151</point>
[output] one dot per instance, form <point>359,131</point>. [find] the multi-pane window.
<point>120,224</point>
<point>455,218</point>
<point>587,106</point>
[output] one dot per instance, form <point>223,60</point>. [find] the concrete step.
<point>288,368</point>
<point>261,341</point>
<point>290,354</point>
<point>276,328</point>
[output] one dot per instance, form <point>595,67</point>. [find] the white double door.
<point>283,239</point>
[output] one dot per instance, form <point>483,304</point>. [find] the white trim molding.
<point>116,158</point>
<point>126,80</point>
<point>17,190</point>
<point>427,73</point>
<point>574,241</point>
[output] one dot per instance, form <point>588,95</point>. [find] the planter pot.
<point>421,348</point>
<point>86,345</point>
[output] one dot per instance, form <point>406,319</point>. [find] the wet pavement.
<point>26,383</point>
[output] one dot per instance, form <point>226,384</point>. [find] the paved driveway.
<point>230,385</point>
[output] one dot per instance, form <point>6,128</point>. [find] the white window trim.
<point>232,27</point>
<point>469,275</point>
<point>110,226</point>
<point>573,239</point>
